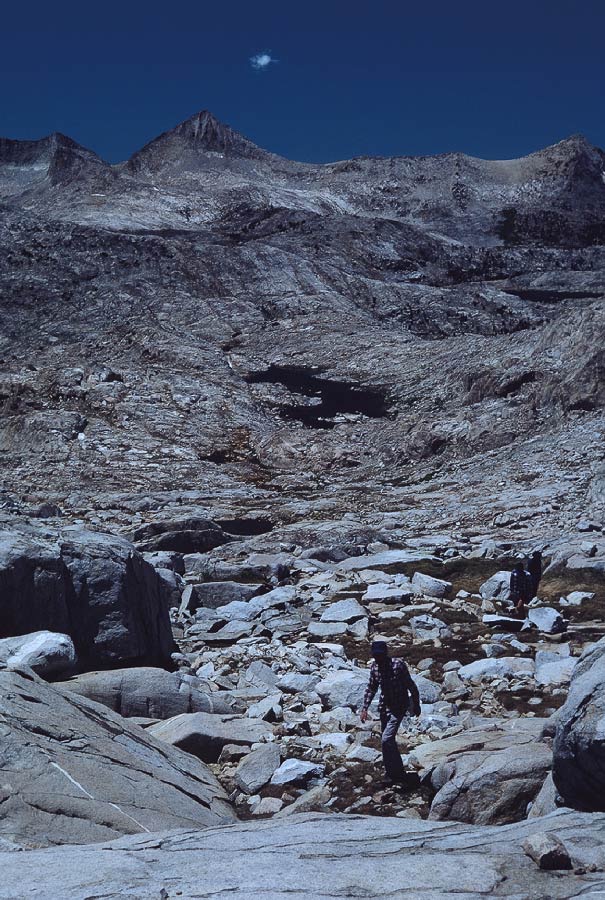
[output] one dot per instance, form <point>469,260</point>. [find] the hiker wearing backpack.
<point>520,587</point>
<point>398,696</point>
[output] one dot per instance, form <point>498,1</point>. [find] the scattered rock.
<point>296,771</point>
<point>548,851</point>
<point>431,587</point>
<point>546,620</point>
<point>257,768</point>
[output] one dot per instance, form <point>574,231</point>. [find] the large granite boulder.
<point>94,587</point>
<point>75,772</point>
<point>319,856</point>
<point>486,775</point>
<point>205,734</point>
<point>46,652</point>
<point>148,692</point>
<point>579,746</point>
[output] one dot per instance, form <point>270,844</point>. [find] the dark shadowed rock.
<point>579,746</point>
<point>94,587</point>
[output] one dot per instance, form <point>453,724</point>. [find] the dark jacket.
<point>521,585</point>
<point>398,693</point>
<point>534,567</point>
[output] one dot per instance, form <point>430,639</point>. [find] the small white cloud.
<point>261,61</point>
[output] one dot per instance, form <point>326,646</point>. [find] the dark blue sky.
<point>375,77</point>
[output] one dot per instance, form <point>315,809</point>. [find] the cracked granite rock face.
<point>75,772</point>
<point>320,856</point>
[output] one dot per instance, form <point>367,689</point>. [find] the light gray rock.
<point>496,587</point>
<point>389,593</point>
<point>269,708</point>
<point>268,806</point>
<point>556,672</point>
<point>546,799</point>
<point>205,734</point>
<point>546,620</point>
<point>338,741</point>
<point>360,753</point>
<point>489,735</point>
<point>296,771</point>
<point>340,718</point>
<point>295,683</point>
<point>491,788</point>
<point>577,598</point>
<point>326,629</point>
<point>315,799</point>
<point>45,652</point>
<point>319,855</point>
<point>502,667</point>
<point>261,675</point>
<point>431,587</point>
<point>256,567</point>
<point>548,851</point>
<point>428,690</point>
<point>487,774</point>
<point>256,769</point>
<point>344,688</point>
<point>229,633</point>
<point>384,560</point>
<point>359,630</point>
<point>348,610</point>
<point>75,772</point>
<point>428,628</point>
<point>579,745</point>
<point>149,692</point>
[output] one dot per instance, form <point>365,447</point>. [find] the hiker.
<point>534,567</point>
<point>398,695</point>
<point>520,587</point>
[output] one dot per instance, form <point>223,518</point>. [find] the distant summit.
<point>182,146</point>
<point>55,159</point>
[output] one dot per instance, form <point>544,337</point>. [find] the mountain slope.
<point>211,317</point>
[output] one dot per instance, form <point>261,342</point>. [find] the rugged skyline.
<point>396,79</point>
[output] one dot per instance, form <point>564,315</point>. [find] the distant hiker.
<point>520,587</point>
<point>534,567</point>
<point>398,696</point>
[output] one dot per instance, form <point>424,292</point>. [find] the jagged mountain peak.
<point>200,134</point>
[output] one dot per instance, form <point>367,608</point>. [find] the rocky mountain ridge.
<point>253,414</point>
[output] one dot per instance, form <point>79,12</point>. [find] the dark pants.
<point>393,765</point>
